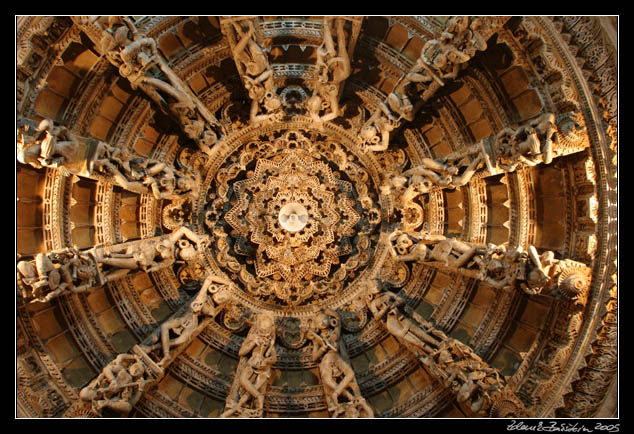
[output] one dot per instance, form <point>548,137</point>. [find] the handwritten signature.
<point>554,426</point>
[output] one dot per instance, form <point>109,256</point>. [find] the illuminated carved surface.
<point>316,216</point>
<point>306,265</point>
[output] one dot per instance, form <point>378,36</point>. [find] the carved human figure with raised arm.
<point>258,354</point>
<point>446,174</point>
<point>118,387</point>
<point>375,134</point>
<point>333,63</point>
<point>56,273</point>
<point>425,247</point>
<point>47,145</point>
<point>208,302</point>
<point>399,319</point>
<point>151,254</point>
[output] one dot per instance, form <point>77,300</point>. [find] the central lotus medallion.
<point>294,216</point>
<point>298,214</point>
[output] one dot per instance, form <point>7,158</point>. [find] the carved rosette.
<point>294,256</point>
<point>337,235</point>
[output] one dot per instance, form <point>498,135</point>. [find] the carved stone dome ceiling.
<point>309,216</point>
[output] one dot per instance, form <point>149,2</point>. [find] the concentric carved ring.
<point>295,215</point>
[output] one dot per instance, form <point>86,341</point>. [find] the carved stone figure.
<point>341,387</point>
<point>127,49</point>
<point>257,76</point>
<point>375,134</point>
<point>416,334</point>
<point>446,174</point>
<point>400,104</point>
<point>324,98</point>
<point>135,55</point>
<point>119,386</point>
<point>258,355</point>
<point>48,145</point>
<point>442,59</point>
<point>424,247</point>
<point>338,379</point>
<point>149,254</point>
<point>56,273</point>
<point>333,63</point>
<point>252,58</point>
<point>209,302</point>
<point>529,145</point>
<point>472,380</point>
<point>515,268</point>
<point>166,182</point>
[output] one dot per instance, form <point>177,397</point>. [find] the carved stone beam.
<point>454,364</point>
<point>440,61</point>
<point>253,64</point>
<point>138,59</point>
<point>49,145</point>
<point>537,141</point>
<point>149,254</point>
<point>126,378</point>
<point>350,43</point>
<point>504,269</point>
<point>69,270</point>
<point>228,26</point>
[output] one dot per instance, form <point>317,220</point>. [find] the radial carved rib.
<point>440,62</point>
<point>137,58</point>
<point>341,389</point>
<point>538,141</point>
<point>54,146</point>
<point>125,379</point>
<point>502,268</point>
<point>250,39</point>
<point>253,375</point>
<point>69,270</point>
<point>453,363</point>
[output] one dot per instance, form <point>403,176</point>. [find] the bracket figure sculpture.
<point>119,386</point>
<point>341,390</point>
<point>123,381</point>
<point>257,76</point>
<point>69,270</point>
<point>136,55</point>
<point>391,309</point>
<point>442,59</point>
<point>533,273</point>
<point>536,141</point>
<point>253,376</point>
<point>54,146</point>
<point>455,364</point>
<point>212,299</point>
<point>527,146</point>
<point>388,116</point>
<point>333,66</point>
<point>423,247</point>
<point>503,268</point>
<point>53,274</point>
<point>149,254</point>
<point>451,171</point>
<point>375,133</point>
